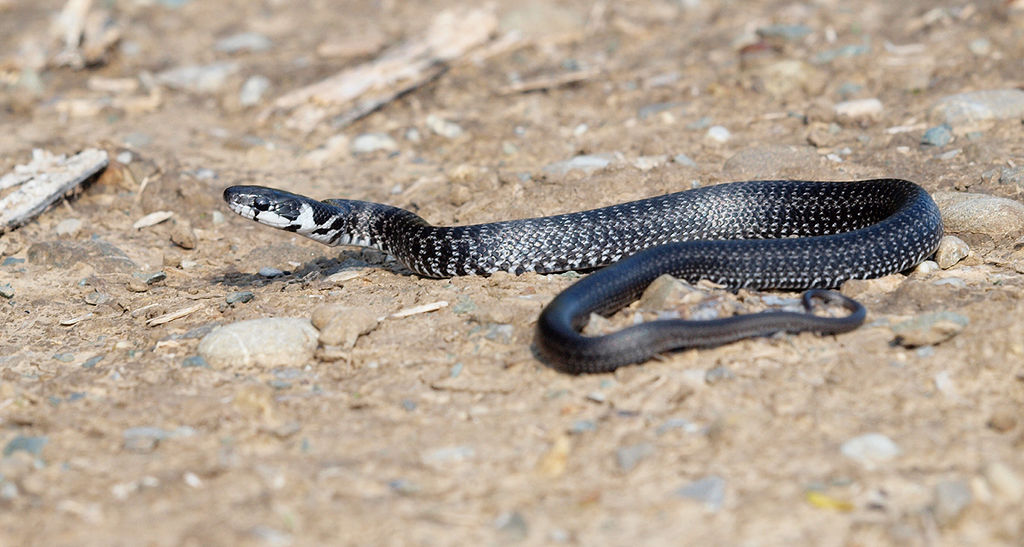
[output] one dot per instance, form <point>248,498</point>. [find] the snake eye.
<point>261,203</point>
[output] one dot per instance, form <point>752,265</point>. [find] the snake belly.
<point>782,234</point>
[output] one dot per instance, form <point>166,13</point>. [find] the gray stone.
<point>512,525</point>
<point>683,159</point>
<point>870,449</point>
<point>243,41</point>
<point>268,271</point>
<point>1012,175</point>
<point>786,32</point>
<point>852,50</point>
<point>253,90</point>
<point>239,297</point>
<point>951,250</point>
<point>586,163</point>
<point>30,445</point>
<point>929,329</point>
<point>718,374</point>
<point>976,110</point>
<point>582,426</point>
<point>6,290</point>
<point>950,500</point>
<point>99,254</point>
<point>268,342</point>
<point>198,78</point>
<point>940,135</point>
<point>368,143</point>
<point>628,457</point>
<point>980,214</point>
<point>709,490</point>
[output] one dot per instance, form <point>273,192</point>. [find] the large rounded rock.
<point>967,214</point>
<point>268,342</point>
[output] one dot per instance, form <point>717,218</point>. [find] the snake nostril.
<point>261,203</point>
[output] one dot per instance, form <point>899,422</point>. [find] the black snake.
<point>781,234</point>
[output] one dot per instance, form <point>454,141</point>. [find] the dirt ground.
<point>442,428</point>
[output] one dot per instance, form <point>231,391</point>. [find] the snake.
<point>761,234</point>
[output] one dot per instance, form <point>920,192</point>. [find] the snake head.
<point>269,206</point>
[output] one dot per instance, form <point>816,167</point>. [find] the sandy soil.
<point>441,428</point>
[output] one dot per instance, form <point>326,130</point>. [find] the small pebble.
<point>975,110</point>
<point>445,128</point>
<point>586,163</point>
<point>646,163</point>
<point>718,374</point>
<point>582,426</point>
<point>269,272</point>
<point>683,159</point>
<point>368,143</point>
<point>195,361</point>
<point>6,290</point>
<point>243,41</point>
<point>448,455</point>
<point>95,298</point>
<point>980,46</point>
<point>253,90</point>
<point>68,227</point>
<point>870,449</point>
<point>940,135</point>
<point>150,278</point>
<point>183,236</point>
<point>787,32</point>
<point>1005,482</point>
<point>929,329</point>
<point>342,325</point>
<point>1003,419</point>
<point>92,361</point>
<point>628,457</point>
<point>267,342</point>
<point>21,443</point>
<point>709,490</point>
<point>951,498</point>
<point>718,133</point>
<point>859,110</point>
<point>239,297</point>
<point>404,487</point>
<point>512,525</point>
<point>951,250</point>
<point>199,78</point>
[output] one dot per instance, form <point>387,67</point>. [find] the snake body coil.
<point>760,234</point>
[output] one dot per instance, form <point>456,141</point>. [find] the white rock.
<point>870,449</point>
<point>860,109</point>
<point>951,250</point>
<point>253,90</point>
<point>445,128</point>
<point>719,133</point>
<point>267,342</point>
<point>373,142</point>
